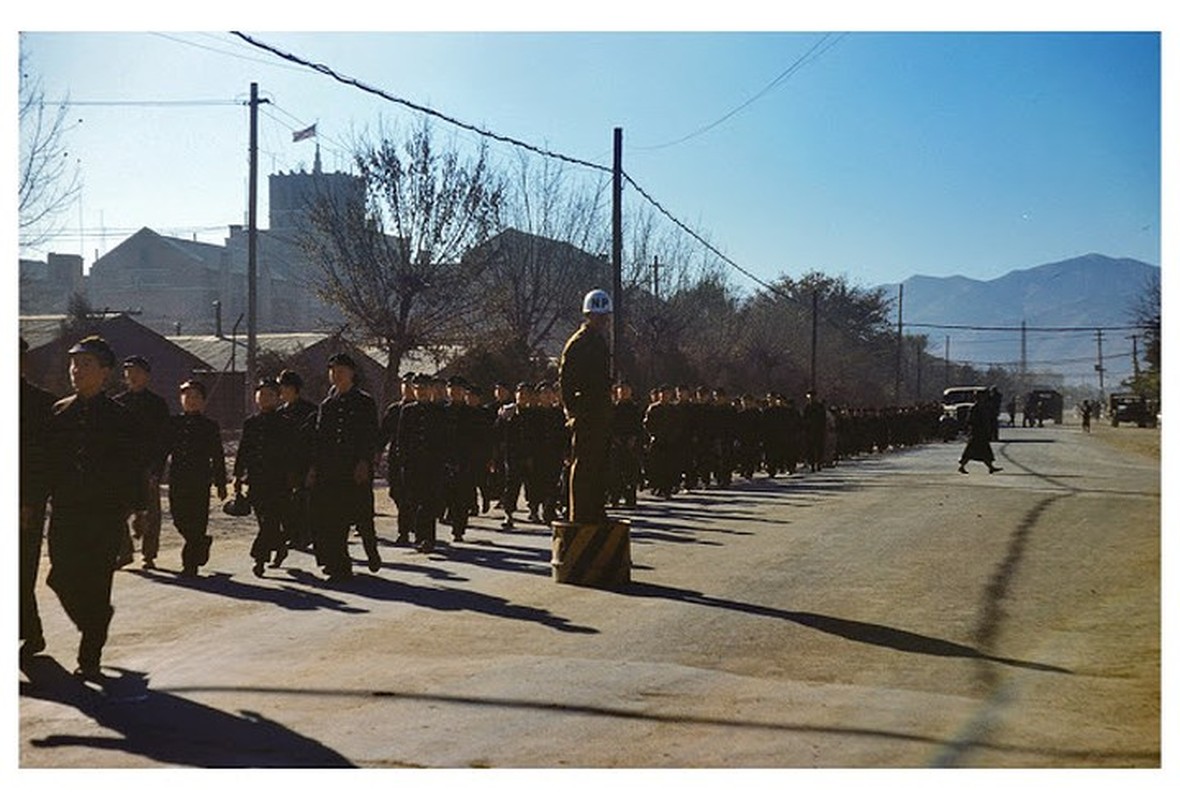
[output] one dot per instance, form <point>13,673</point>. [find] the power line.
<point>799,63</point>
<point>1031,329</point>
<point>325,70</point>
<point>147,103</point>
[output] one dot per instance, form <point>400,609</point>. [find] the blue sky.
<point>882,156</point>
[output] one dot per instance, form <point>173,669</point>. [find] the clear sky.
<point>878,155</point>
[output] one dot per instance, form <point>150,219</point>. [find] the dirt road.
<point>887,612</point>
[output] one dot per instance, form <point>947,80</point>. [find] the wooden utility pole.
<point>617,253</point>
<point>946,358</point>
<point>897,372</point>
<point>252,253</point>
<point>1100,369</point>
<point>814,317</point>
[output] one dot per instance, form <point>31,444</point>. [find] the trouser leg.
<point>31,538</point>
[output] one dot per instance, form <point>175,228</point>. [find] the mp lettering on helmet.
<point>597,302</point>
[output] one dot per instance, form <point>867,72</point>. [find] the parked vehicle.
<point>1043,404</point>
<point>1129,407</point>
<point>957,402</point>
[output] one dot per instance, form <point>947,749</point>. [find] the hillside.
<point>1089,291</point>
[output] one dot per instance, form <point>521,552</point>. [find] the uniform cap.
<point>290,377</point>
<point>597,301</point>
<point>95,346</point>
<point>137,361</point>
<point>267,383</point>
<point>193,384</point>
<point>343,359</point>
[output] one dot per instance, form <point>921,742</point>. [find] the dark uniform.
<point>94,484</point>
<point>345,436</point>
<point>815,421</point>
<point>36,405</point>
<point>659,424</point>
<point>421,448</point>
<point>151,415</point>
<point>197,462</point>
<point>515,431</point>
<point>627,439</point>
<point>265,462</point>
<point>584,375</point>
<point>387,436</point>
<point>295,520</point>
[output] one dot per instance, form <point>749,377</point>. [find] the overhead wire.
<point>799,63</point>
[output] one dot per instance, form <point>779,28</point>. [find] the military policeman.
<point>94,484</point>
<point>584,375</point>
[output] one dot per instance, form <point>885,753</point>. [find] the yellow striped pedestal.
<point>592,555</point>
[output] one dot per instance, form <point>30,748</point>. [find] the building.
<point>46,287</point>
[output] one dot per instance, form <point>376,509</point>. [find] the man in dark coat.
<point>584,375</point>
<point>94,484</point>
<point>659,425</point>
<point>627,440</point>
<point>196,463</point>
<point>344,443</point>
<point>151,415</point>
<point>388,437</point>
<point>36,405</point>
<point>421,448</point>
<point>815,420</point>
<point>265,463</point>
<point>299,413</point>
<point>979,446</point>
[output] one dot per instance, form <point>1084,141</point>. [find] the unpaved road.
<point>888,612</point>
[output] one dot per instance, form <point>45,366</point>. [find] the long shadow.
<point>443,599</point>
<point>1085,755</point>
<point>531,560</point>
<point>222,583</point>
<point>853,630</point>
<point>169,729</point>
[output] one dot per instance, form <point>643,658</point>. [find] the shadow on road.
<point>440,599</point>
<point>169,729</point>
<point>222,583</point>
<point>853,630</point>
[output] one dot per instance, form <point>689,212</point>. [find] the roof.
<point>217,350</point>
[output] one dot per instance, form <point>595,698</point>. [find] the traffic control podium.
<point>592,554</point>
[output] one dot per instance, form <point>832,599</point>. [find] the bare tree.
<point>392,263</point>
<point>48,181</point>
<point>534,274</point>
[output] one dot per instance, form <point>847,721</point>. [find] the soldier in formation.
<point>196,463</point>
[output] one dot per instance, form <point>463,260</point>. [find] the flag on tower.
<point>306,133</point>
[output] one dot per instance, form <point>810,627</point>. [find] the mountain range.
<point>1089,292</point>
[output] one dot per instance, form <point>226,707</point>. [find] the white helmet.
<point>597,302</point>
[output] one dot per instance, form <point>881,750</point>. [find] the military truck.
<point>957,402</point>
<point>1131,408</point>
<point>1043,404</point>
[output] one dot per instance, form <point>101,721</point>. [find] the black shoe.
<point>259,567</point>
<point>507,525</point>
<point>374,558</point>
<point>32,646</point>
<point>991,469</point>
<point>426,547</point>
<point>280,557</point>
<point>90,673</point>
<point>963,469</point>
<point>189,571</point>
<point>457,536</point>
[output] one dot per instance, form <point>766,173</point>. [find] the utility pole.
<point>814,317</point>
<point>946,358</point>
<point>1101,370</point>
<point>252,252</point>
<point>655,277</point>
<point>617,253</point>
<point>897,373</point>
<point>1023,356</point>
<point>1135,358</point>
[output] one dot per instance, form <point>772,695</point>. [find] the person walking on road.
<point>36,405</point>
<point>151,414</point>
<point>264,462</point>
<point>94,485</point>
<point>584,375</point>
<point>197,463</point>
<point>979,446</point>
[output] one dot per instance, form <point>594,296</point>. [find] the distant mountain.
<point>1091,291</point>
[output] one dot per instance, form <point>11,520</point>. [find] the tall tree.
<point>392,263</point>
<point>534,274</point>
<point>48,181</point>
